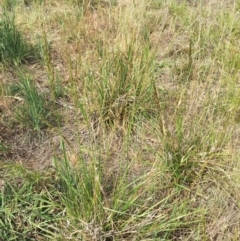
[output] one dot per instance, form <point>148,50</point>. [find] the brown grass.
<point>197,80</point>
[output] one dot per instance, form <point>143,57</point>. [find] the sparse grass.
<point>148,146</point>
<point>3,150</point>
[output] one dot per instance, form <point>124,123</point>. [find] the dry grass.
<point>142,142</point>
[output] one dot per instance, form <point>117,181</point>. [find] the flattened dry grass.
<point>147,144</point>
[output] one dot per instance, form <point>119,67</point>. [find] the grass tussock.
<point>13,46</point>
<point>126,124</point>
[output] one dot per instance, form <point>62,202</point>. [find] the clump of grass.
<point>73,202</point>
<point>124,210</point>
<point>55,83</point>
<point>124,86</point>
<point>35,111</point>
<point>13,47</point>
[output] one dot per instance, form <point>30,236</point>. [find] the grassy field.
<point>120,120</point>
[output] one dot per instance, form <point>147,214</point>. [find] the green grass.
<point>3,150</point>
<point>125,87</point>
<point>9,4</point>
<point>13,46</point>
<point>34,205</point>
<point>35,112</point>
<point>27,209</point>
<point>126,126</point>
